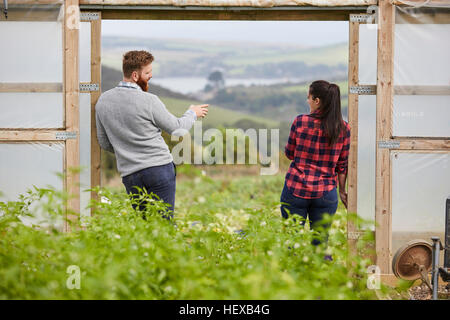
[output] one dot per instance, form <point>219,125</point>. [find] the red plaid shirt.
<point>315,164</point>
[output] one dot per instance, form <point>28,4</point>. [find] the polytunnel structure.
<point>399,100</point>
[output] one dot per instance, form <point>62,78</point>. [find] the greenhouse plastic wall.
<point>420,187</point>
<point>37,49</point>
<point>85,118</point>
<point>24,165</point>
<point>421,58</point>
<point>85,152</point>
<point>32,38</point>
<point>420,180</point>
<point>367,124</point>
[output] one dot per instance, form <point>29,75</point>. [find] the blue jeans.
<point>315,208</point>
<point>160,180</point>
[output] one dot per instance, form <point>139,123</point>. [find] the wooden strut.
<point>353,70</point>
<point>71,89</point>
<point>385,94</point>
<point>95,78</point>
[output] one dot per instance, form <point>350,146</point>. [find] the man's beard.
<point>143,84</point>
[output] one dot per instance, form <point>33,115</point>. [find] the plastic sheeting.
<point>421,116</point>
<point>85,152</point>
<point>421,59</point>
<point>420,180</point>
<point>367,68</point>
<point>85,51</point>
<point>420,187</point>
<point>235,3</point>
<point>32,51</point>
<point>366,158</point>
<point>31,109</point>
<point>24,165</point>
<point>368,54</point>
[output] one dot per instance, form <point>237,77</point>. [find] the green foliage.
<point>227,241</point>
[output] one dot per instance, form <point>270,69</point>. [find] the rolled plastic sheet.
<point>420,187</point>
<point>25,165</point>
<point>235,3</point>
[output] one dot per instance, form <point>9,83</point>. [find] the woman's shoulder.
<point>346,125</point>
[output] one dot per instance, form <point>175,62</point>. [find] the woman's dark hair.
<point>329,111</point>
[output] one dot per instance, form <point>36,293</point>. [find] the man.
<point>129,123</point>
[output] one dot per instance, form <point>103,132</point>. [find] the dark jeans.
<point>315,208</point>
<point>160,180</point>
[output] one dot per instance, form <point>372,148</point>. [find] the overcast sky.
<point>314,33</point>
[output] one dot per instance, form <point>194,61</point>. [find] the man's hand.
<point>200,110</point>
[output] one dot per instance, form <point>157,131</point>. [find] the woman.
<point>318,146</point>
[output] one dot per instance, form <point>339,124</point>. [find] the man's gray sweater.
<point>129,123</point>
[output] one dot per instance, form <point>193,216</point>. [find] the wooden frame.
<point>31,87</point>
<point>353,80</point>
<point>385,96</point>
<point>96,79</point>
<point>71,90</point>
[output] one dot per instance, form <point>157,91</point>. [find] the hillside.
<point>193,58</point>
<point>177,103</point>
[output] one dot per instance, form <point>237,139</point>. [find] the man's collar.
<point>126,84</point>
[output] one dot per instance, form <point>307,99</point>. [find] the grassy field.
<point>217,116</point>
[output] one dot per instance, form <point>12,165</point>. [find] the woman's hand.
<point>343,196</point>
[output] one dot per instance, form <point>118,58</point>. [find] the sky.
<point>307,33</point>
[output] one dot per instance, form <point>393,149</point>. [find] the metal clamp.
<point>64,135</point>
<point>367,90</point>
<point>388,144</point>
<point>362,18</point>
<point>88,87</point>
<point>89,16</point>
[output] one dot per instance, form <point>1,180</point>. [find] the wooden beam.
<point>31,87</point>
<point>95,78</point>
<point>272,15</point>
<point>422,144</point>
<point>71,77</point>
<point>353,70</point>
<point>422,90</point>
<point>385,94</point>
<point>231,3</point>
<point>29,135</point>
<point>34,2</point>
<point>36,14</point>
<point>430,3</point>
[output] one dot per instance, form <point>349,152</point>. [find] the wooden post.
<point>353,66</point>
<point>385,92</point>
<point>71,90</point>
<point>95,78</point>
